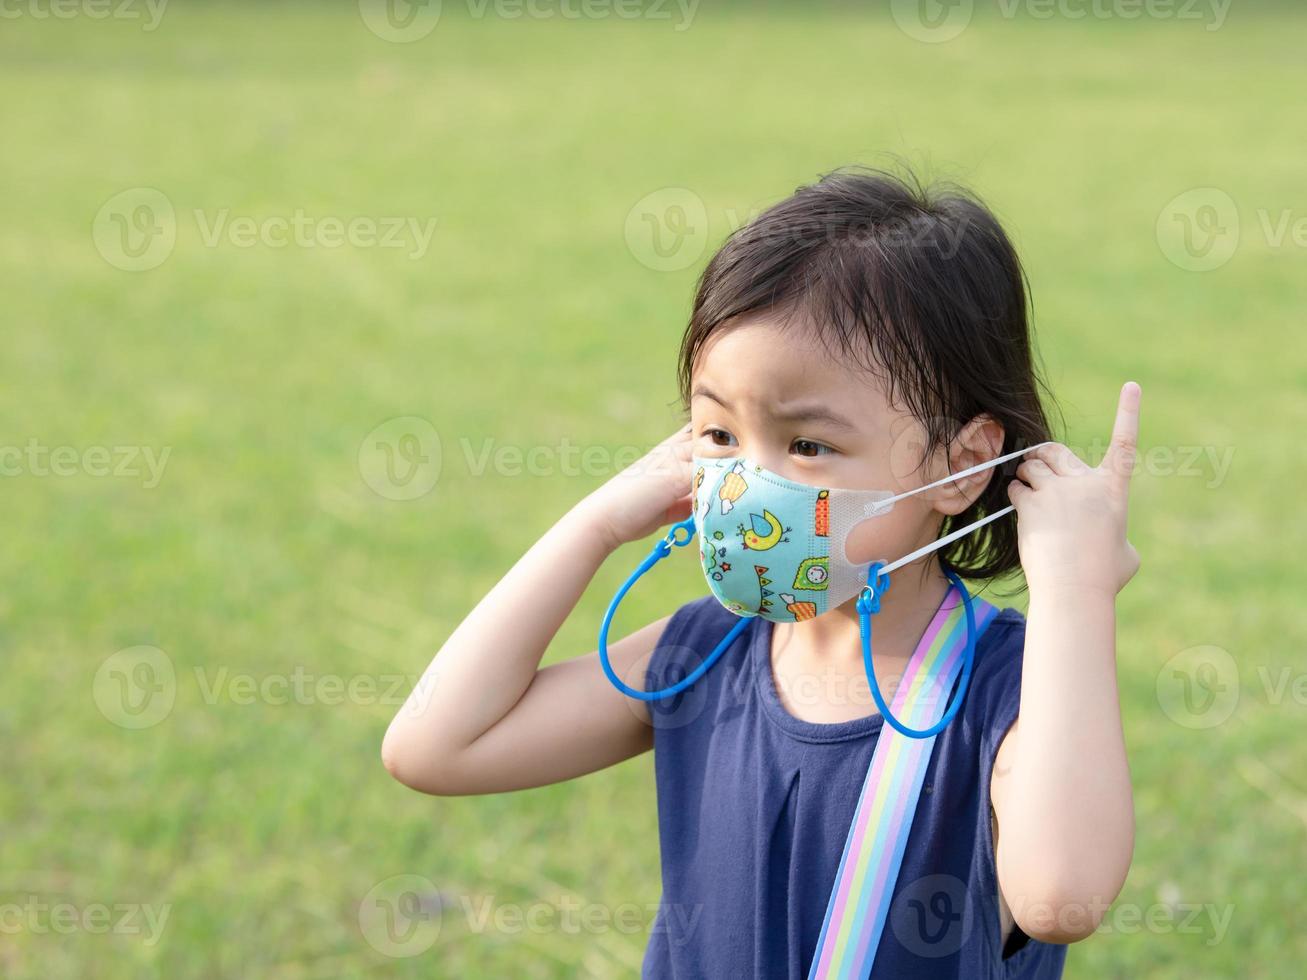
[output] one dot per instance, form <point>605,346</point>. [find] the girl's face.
<point>777,396</point>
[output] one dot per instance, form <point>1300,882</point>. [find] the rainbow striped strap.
<point>873,852</point>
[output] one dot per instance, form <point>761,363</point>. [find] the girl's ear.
<point>979,440</point>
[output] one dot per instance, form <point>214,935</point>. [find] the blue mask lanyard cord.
<point>868,603</point>
<point>680,535</point>
<point>878,582</point>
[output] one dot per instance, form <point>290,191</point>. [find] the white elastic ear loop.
<point>883,505</point>
<point>946,539</point>
<point>954,535</point>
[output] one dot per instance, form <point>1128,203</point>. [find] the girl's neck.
<point>906,609</point>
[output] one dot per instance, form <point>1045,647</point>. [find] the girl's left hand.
<point>1071,519</point>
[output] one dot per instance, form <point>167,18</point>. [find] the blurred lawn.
<point>261,552</point>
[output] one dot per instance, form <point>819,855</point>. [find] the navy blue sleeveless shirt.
<point>754,806</point>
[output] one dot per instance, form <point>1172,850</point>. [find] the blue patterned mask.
<point>775,548</point>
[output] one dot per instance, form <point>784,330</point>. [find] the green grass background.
<point>264,826</point>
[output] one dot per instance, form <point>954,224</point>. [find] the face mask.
<point>775,548</point>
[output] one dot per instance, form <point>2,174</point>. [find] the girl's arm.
<point>1061,785</point>
<point>485,718</point>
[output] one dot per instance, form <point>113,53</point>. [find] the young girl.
<point>855,357</point>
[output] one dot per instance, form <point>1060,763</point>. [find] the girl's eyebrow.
<point>700,391</point>
<point>810,412</point>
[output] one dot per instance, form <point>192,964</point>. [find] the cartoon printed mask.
<point>775,548</point>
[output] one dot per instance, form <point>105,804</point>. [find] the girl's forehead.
<point>761,360</point>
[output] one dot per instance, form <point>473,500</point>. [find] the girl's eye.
<point>806,447</point>
<point>720,437</point>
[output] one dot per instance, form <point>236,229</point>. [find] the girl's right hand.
<point>648,494</point>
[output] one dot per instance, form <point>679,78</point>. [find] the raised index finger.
<point>1120,459</point>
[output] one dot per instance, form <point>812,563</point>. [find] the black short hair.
<point>923,287</point>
